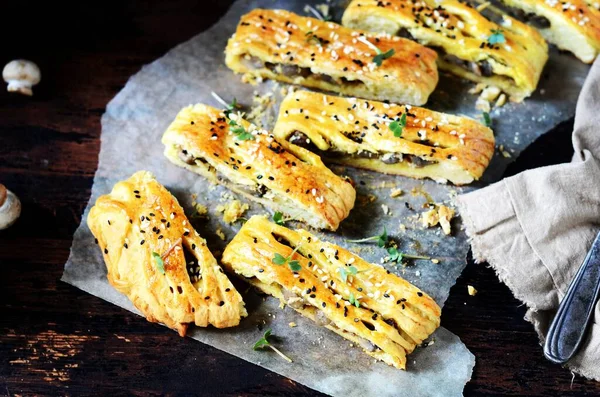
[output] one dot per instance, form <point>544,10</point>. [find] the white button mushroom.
<point>10,208</point>
<point>21,75</point>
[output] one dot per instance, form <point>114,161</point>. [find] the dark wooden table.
<point>55,339</point>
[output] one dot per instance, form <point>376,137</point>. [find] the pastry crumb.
<point>200,211</point>
<point>436,261</point>
<point>233,210</point>
<point>396,193</point>
<point>472,291</point>
<point>293,324</point>
<point>220,233</point>
<point>386,209</point>
<point>504,153</point>
<point>488,95</point>
<point>441,215</point>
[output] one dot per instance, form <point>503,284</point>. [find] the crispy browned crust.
<point>280,37</point>
<point>460,146</point>
<point>394,316</point>
<point>299,185</point>
<point>140,217</point>
<point>462,31</point>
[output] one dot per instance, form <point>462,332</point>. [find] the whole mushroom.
<point>10,208</point>
<point>21,75</point>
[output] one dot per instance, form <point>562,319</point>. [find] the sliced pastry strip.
<point>156,258</point>
<point>281,45</point>
<point>370,135</point>
<point>573,26</point>
<point>362,302</point>
<point>228,150</point>
<point>509,55</point>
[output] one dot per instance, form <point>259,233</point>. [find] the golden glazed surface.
<point>356,132</point>
<point>296,183</point>
<point>140,219</point>
<point>392,316</point>
<point>281,45</point>
<point>461,34</point>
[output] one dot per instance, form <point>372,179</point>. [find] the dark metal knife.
<point>576,310</point>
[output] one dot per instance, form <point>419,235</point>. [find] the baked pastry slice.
<point>281,45</point>
<point>156,258</point>
<point>358,133</point>
<point>509,55</point>
<point>573,26</point>
<point>249,161</point>
<point>377,310</point>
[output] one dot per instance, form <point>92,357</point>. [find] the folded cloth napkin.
<point>536,228</point>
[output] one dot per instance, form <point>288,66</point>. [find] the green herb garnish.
<point>278,218</point>
<point>353,300</point>
<point>382,56</point>
<point>382,239</point>
<point>397,127</point>
<point>497,37</point>
<point>231,107</point>
<point>347,270</point>
<point>239,131</point>
<point>487,120</point>
<point>160,264</point>
<point>397,256</point>
<point>264,342</point>
<point>279,260</point>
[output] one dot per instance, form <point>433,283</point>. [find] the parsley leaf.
<point>382,56</point>
<point>382,239</point>
<point>240,131</point>
<point>397,127</point>
<point>487,120</point>
<point>279,259</point>
<point>353,300</point>
<point>295,266</point>
<point>160,264</point>
<point>264,342</point>
<point>497,37</point>
<point>345,271</point>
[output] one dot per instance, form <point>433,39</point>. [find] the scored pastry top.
<point>145,238</point>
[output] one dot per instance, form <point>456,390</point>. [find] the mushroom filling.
<point>294,71</point>
<point>259,190</point>
<point>536,21</point>
<point>300,139</point>
<point>193,267</point>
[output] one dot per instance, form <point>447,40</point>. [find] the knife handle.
<point>576,310</point>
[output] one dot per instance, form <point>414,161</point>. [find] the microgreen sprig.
<point>497,37</point>
<point>382,239</point>
<point>397,127</point>
<point>322,16</point>
<point>487,120</point>
<point>380,55</point>
<point>279,219</point>
<point>345,271</point>
<point>279,260</point>
<point>353,300</point>
<point>160,264</point>
<point>397,256</point>
<point>264,342</point>
<point>239,131</point>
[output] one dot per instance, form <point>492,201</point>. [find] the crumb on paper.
<point>441,215</point>
<point>489,94</point>
<point>501,101</point>
<point>385,209</point>
<point>472,291</point>
<point>396,193</point>
<point>477,88</point>
<point>200,211</point>
<point>436,261</point>
<point>220,233</point>
<point>504,153</point>
<point>364,200</point>
<point>259,115</point>
<point>293,324</point>
<point>418,273</point>
<point>233,210</point>
<point>402,228</point>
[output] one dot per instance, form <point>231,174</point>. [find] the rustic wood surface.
<point>55,339</point>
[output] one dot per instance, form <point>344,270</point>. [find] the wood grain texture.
<point>55,339</point>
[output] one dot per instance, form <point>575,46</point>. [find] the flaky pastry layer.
<point>140,224</point>
<point>381,312</point>
<point>356,132</point>
<point>281,45</point>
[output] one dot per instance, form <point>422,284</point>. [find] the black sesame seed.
<point>420,293</point>
<point>105,251</point>
<point>193,246</point>
<point>221,303</point>
<point>323,304</point>
<point>142,242</point>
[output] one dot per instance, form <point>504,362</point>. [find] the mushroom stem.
<point>10,208</point>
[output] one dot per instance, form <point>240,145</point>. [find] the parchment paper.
<point>131,130</point>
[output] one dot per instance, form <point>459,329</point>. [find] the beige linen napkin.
<point>535,228</point>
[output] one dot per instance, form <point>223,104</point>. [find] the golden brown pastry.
<point>156,258</point>
<point>509,56</point>
<point>572,25</point>
<point>358,133</point>
<point>281,45</point>
<point>379,311</point>
<point>249,161</point>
